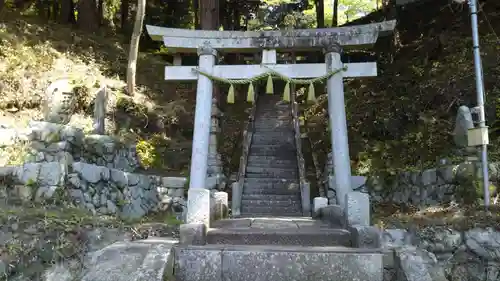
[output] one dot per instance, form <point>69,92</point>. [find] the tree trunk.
<point>134,46</point>
<point>124,8</point>
<point>88,18</point>
<point>320,13</point>
<point>236,18</point>
<point>196,6</point>
<point>209,14</point>
<point>100,11</point>
<point>67,13</point>
<point>55,10</point>
<point>40,8</point>
<point>209,20</point>
<point>335,17</point>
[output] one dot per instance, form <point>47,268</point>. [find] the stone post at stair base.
<point>220,206</point>
<point>357,208</point>
<point>305,195</point>
<point>318,204</point>
<point>199,207</point>
<point>193,234</point>
<point>365,236</point>
<point>355,212</point>
<point>236,192</point>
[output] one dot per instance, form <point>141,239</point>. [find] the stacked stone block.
<point>49,142</point>
<point>96,188</point>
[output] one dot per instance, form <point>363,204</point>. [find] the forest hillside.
<point>401,119</point>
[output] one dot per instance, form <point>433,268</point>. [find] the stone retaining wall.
<point>419,188</point>
<point>470,255</point>
<point>98,189</point>
<point>48,142</point>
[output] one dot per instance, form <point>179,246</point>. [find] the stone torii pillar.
<point>202,120</point>
<point>338,123</point>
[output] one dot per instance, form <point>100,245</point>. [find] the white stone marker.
<point>318,203</point>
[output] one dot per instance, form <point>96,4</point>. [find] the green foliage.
<point>152,152</point>
<point>147,154</point>
<point>274,14</point>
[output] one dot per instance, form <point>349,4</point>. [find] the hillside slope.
<point>405,116</point>
<point>34,53</point>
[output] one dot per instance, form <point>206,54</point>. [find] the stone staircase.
<point>271,183</point>
<point>271,239</point>
<point>275,249</point>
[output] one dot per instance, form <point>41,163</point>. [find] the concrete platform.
<point>276,263</point>
<point>271,223</point>
<point>286,231</point>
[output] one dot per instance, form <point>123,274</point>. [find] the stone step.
<point>276,135</point>
<point>272,119</point>
<point>271,203</point>
<point>276,119</point>
<point>285,183</point>
<point>265,140</point>
<point>272,159</point>
<point>275,263</point>
<point>271,197</point>
<point>257,170</point>
<point>282,130</point>
<point>269,191</point>
<point>270,148</point>
<point>252,165</point>
<point>278,165</point>
<point>296,214</point>
<point>282,156</point>
<point>287,176</point>
<point>272,106</point>
<point>308,237</point>
<point>272,103</point>
<point>271,172</point>
<point>272,114</point>
<point>271,210</point>
<point>124,261</point>
<point>268,127</point>
<point>270,141</point>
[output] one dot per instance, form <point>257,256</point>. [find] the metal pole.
<point>480,97</point>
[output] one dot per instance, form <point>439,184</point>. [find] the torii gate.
<point>331,40</point>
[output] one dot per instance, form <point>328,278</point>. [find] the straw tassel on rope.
<point>251,93</point>
<point>230,94</point>
<point>286,92</point>
<point>311,96</point>
<point>269,85</point>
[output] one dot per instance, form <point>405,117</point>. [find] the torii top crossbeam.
<point>188,41</point>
